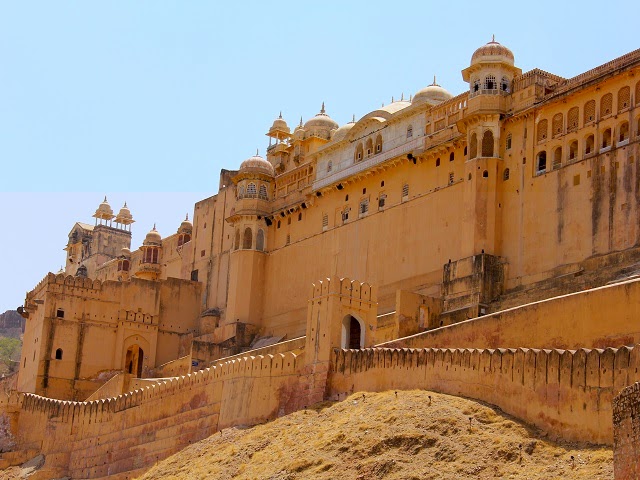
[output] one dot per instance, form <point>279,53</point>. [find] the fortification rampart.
<point>564,392</point>
<point>126,433</point>
<point>626,434</point>
<point>595,318</point>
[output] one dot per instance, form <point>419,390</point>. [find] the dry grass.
<point>387,437</point>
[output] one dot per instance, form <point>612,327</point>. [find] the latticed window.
<point>542,130</point>
<point>505,175</point>
<point>557,124</point>
<point>409,131</point>
<point>262,192</point>
<point>624,131</point>
<point>606,105</point>
<point>572,119</point>
<point>624,99</point>
<point>504,84</point>
<point>557,158</point>
<point>251,190</point>
<point>490,83</point>
<point>325,221</point>
<point>405,190</point>
<point>382,200</point>
<point>260,240</point>
<point>589,111</point>
<point>451,178</point>
<point>329,166</point>
<point>473,150</point>
<point>573,150</point>
<point>508,142</point>
<point>487,144</point>
<point>364,206</point>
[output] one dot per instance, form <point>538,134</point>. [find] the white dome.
<point>432,94</point>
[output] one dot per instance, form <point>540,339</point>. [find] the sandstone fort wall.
<point>595,318</point>
<point>565,393</point>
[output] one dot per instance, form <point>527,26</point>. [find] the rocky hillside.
<point>411,435</point>
<point>11,323</point>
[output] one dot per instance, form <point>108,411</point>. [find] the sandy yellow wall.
<point>605,316</point>
<point>566,393</point>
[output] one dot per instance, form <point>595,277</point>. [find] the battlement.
<point>350,292</point>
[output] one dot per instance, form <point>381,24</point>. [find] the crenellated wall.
<point>564,392</point>
<point>129,432</point>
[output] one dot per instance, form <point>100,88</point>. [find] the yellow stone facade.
<point>516,201</point>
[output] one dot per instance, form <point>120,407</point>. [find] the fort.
<point>485,245</point>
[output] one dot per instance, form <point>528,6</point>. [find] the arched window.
<point>541,162</point>
<point>606,105</point>
<point>606,138</point>
<point>573,150</point>
<point>490,83</point>
<point>542,130</point>
<point>438,162</point>
<point>624,131</point>
<point>624,99</point>
<point>572,119</point>
<point>369,147</point>
<point>154,257</point>
<point>359,152</point>
<point>504,84</point>
<point>409,131</point>
<point>487,144</point>
<point>240,192</point>
<point>589,145</point>
<point>473,150</point>
<point>236,243</point>
<point>485,174</point>
<point>125,265</point>
<point>557,126</point>
<point>476,85</point>
<point>557,158</point>
<point>59,354</point>
<point>262,192</point>
<point>637,95</point>
<point>505,174</point>
<point>251,190</point>
<point>260,240</point>
<point>452,157</point>
<point>329,166</point>
<point>378,143</point>
<point>247,239</point>
<point>589,111</point>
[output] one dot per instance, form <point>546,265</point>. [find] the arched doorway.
<point>133,360</point>
<point>352,333</point>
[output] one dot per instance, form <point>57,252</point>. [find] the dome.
<point>186,226</point>
<point>321,120</point>
<point>125,252</point>
<point>279,124</point>
<point>153,237</point>
<point>104,210</point>
<point>341,132</point>
<point>257,164</point>
<point>492,52</point>
<point>434,93</point>
<point>124,215</point>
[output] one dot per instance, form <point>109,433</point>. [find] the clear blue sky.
<point>155,97</point>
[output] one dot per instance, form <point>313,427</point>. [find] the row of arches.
<point>248,240</point>
<point>589,113</point>
<point>368,148</point>
<point>150,254</point>
<point>621,134</point>
<point>253,191</point>
<point>486,145</point>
